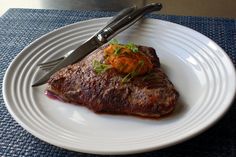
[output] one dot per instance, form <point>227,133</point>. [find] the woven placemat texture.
<point>19,27</point>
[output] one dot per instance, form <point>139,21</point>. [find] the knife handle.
<point>124,23</point>
<point>114,19</point>
<point>120,15</point>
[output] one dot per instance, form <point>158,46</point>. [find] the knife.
<point>85,47</point>
<point>100,38</point>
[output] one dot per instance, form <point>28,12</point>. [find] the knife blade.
<point>77,54</point>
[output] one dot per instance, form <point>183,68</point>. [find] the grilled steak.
<point>148,95</point>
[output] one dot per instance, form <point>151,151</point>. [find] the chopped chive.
<point>117,51</point>
<point>132,47</point>
<point>126,78</point>
<point>141,63</point>
<point>129,76</point>
<point>149,76</point>
<point>100,67</point>
<point>114,42</point>
<point>134,73</point>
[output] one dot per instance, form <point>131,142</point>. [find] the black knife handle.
<point>114,19</point>
<point>120,15</point>
<point>112,30</point>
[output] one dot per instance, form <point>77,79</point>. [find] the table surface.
<point>19,27</point>
<point>210,8</point>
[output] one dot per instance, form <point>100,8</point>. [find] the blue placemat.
<point>19,27</point>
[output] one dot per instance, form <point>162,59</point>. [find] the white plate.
<point>201,71</point>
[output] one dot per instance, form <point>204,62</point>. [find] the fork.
<point>50,64</point>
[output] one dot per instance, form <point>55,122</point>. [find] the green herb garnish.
<point>134,73</point>
<point>141,63</point>
<point>129,45</point>
<point>117,51</point>
<point>149,76</point>
<point>114,42</point>
<point>100,67</point>
<point>132,47</point>
<point>129,76</point>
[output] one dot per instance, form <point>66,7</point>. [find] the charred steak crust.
<point>152,95</point>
